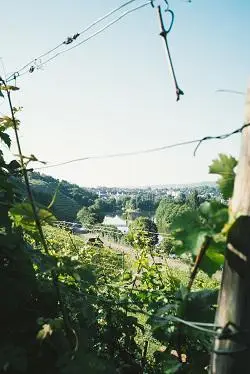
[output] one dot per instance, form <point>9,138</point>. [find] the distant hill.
<point>70,198</point>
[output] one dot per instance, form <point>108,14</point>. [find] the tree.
<point>167,211</point>
<point>130,211</point>
<point>142,231</point>
<point>146,202</point>
<point>193,200</point>
<point>90,216</point>
<point>167,245</point>
<point>105,206</point>
<point>121,202</point>
<point>95,213</point>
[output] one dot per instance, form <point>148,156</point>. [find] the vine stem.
<point>68,329</point>
<point>194,272</point>
<point>156,268</point>
<point>164,34</point>
<point>139,268</point>
<point>198,260</point>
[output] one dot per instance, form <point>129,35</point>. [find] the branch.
<point>198,260</point>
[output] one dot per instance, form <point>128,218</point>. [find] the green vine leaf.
<point>224,166</point>
<point>189,231</point>
<point>1,94</point>
<point>215,213</point>
<point>200,305</point>
<point>172,366</point>
<point>14,166</point>
<point>5,185</point>
<point>22,216</point>
<point>5,138</point>
<point>46,217</point>
<point>54,196</point>
<point>214,258</point>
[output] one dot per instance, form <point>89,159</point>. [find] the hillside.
<point>70,198</point>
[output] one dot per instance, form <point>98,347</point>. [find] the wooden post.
<point>231,351</point>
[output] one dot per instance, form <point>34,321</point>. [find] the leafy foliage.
<point>90,216</point>
<point>8,88</point>
<point>167,211</point>
<point>193,200</point>
<point>224,166</point>
<point>4,137</point>
<point>191,343</point>
<point>6,122</point>
<point>21,215</point>
<point>69,198</point>
<point>142,231</point>
<point>207,221</point>
<point>109,231</point>
<point>69,307</point>
<point>34,335</point>
<point>167,245</point>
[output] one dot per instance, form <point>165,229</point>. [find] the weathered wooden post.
<point>231,351</point>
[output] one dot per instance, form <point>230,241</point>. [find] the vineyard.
<point>70,306</point>
<point>112,302</point>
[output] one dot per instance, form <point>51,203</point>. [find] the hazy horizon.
<point>144,186</point>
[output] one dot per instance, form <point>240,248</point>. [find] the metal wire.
<point>149,150</point>
<point>34,64</point>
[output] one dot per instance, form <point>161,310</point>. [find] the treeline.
<point>129,207</point>
<point>70,198</point>
<point>157,227</point>
<point>170,208</point>
<point>74,203</point>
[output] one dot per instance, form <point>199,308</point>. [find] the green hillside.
<point>70,198</point>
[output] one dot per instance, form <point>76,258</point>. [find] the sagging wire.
<point>221,137</point>
<point>31,65</point>
<point>149,150</point>
<point>164,34</point>
<point>230,91</point>
<point>96,33</point>
<point>107,15</point>
<point>36,63</point>
<point>195,325</point>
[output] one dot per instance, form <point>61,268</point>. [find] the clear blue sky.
<point>115,93</point>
